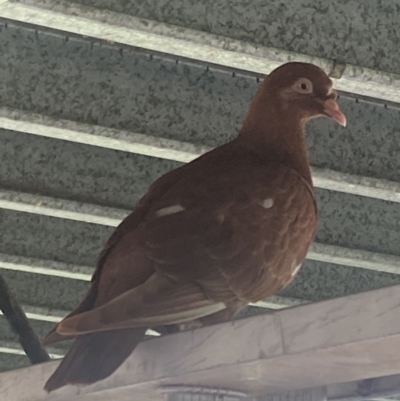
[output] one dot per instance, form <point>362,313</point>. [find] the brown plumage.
<point>230,228</point>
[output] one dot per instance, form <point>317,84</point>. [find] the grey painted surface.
<point>316,281</point>
<point>73,171</point>
<point>10,362</point>
<point>74,242</point>
<point>47,291</point>
<point>319,281</point>
<point>41,329</point>
<point>50,238</point>
<point>95,84</point>
<point>70,80</point>
<point>357,32</point>
<point>356,222</point>
<point>101,176</point>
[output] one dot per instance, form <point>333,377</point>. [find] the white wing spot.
<point>295,268</point>
<point>166,211</point>
<point>221,218</point>
<point>267,203</point>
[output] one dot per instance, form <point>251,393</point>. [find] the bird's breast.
<point>271,237</point>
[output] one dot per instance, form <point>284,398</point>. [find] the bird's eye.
<point>303,85</point>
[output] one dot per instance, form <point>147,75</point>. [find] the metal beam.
<point>43,314</point>
<point>58,269</point>
<point>354,258</point>
<point>54,316</point>
<point>13,347</point>
<point>318,252</point>
<point>187,43</point>
<point>67,209</point>
<point>36,124</point>
<point>112,217</point>
<point>339,340</point>
<point>356,185</point>
<point>378,389</point>
<point>309,394</point>
<point>109,138</point>
<point>45,267</point>
<point>61,208</point>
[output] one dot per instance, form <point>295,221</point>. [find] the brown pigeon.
<point>230,228</point>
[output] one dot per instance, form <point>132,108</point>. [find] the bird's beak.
<point>332,110</point>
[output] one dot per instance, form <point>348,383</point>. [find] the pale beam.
<point>187,43</point>
<point>36,124</point>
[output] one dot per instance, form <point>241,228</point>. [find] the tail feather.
<point>94,357</point>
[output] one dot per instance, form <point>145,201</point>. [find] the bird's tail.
<point>94,357</point>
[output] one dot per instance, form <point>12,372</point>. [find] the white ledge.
<point>318,252</point>
<point>95,214</point>
<point>187,43</point>
<point>15,348</point>
<point>41,125</point>
<point>84,273</point>
<point>61,208</point>
<point>341,340</point>
<point>51,315</point>
<point>42,314</point>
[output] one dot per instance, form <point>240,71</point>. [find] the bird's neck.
<point>276,135</point>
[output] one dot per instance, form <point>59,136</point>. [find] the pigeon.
<point>230,228</point>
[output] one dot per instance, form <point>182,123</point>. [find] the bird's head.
<point>304,90</point>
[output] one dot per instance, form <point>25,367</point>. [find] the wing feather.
<point>159,301</point>
<point>225,240</point>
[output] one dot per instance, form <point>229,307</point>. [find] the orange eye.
<point>303,85</point>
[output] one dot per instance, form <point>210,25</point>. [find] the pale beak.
<point>332,110</point>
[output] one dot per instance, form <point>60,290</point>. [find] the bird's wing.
<point>104,287</point>
<point>159,301</point>
<point>215,237</point>
<point>239,233</point>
